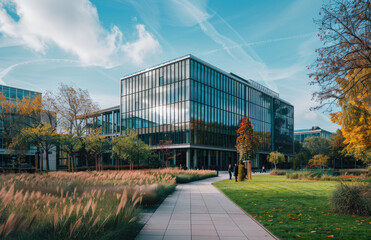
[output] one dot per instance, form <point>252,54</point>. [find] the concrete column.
<point>217,158</point>
<point>174,154</point>
<point>208,159</point>
<point>113,122</point>
<point>195,159</point>
<point>188,158</point>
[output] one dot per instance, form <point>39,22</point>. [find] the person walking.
<point>230,170</point>
<point>235,171</point>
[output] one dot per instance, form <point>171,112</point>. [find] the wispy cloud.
<point>6,71</point>
<point>74,26</point>
<point>306,35</point>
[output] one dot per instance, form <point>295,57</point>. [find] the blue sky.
<point>92,44</point>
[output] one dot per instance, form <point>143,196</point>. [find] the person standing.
<point>230,170</point>
<point>235,171</point>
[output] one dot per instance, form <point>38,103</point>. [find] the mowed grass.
<point>293,209</point>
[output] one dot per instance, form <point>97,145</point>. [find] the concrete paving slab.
<point>199,211</point>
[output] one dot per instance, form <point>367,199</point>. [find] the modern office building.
<point>196,108</point>
<point>315,131</point>
<point>9,125</point>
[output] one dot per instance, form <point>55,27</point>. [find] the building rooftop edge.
<point>249,82</point>
<point>20,88</point>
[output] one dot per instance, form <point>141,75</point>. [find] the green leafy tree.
<point>298,146</point>
<point>275,158</point>
<point>317,145</point>
<point>301,159</point>
<point>130,148</point>
<point>319,161</point>
<point>96,145</point>
<point>71,144</point>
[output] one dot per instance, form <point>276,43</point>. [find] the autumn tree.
<point>44,136</point>
<point>247,143</point>
<point>72,106</point>
<point>344,61</point>
<point>96,145</point>
<point>319,161</point>
<point>275,158</point>
<point>355,121</point>
<point>70,143</point>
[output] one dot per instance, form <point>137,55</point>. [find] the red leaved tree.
<point>247,143</point>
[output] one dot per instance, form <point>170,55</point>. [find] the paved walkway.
<point>199,211</point>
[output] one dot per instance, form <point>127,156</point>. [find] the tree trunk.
<point>36,161</point>
<point>101,162</point>
<point>69,162</point>
<point>41,159</point>
<point>74,163</point>
<point>96,163</point>
<point>47,160</point>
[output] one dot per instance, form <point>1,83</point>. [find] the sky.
<point>92,44</point>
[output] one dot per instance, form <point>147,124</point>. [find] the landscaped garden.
<point>292,208</point>
<point>83,205</point>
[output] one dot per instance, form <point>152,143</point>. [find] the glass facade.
<point>198,109</point>
<point>314,132</point>
<point>106,120</point>
<point>7,123</point>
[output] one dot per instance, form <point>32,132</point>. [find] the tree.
<point>166,152</point>
<point>131,148</point>
<point>297,146</point>
<point>71,144</point>
<point>319,160</point>
<point>301,159</point>
<point>247,143</point>
<point>72,107</point>
<point>44,136</point>
<point>275,158</point>
<point>346,34</point>
<point>355,121</point>
<point>317,145</point>
<point>96,145</point>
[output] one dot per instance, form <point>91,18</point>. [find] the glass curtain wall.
<point>283,127</point>
<point>218,104</point>
<point>156,104</point>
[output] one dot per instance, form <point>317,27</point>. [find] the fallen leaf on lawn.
<point>312,231</point>
<point>298,235</point>
<point>330,236</point>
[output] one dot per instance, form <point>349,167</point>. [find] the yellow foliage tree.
<point>355,119</point>
<point>319,160</point>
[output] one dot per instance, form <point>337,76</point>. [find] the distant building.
<point>315,131</point>
<point>8,128</point>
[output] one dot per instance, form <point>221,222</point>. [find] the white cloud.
<point>74,26</point>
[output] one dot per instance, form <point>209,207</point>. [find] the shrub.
<point>351,199</point>
<point>292,175</point>
<point>278,172</point>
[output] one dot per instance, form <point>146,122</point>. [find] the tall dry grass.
<point>82,205</point>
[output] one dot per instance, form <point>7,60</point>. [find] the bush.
<point>351,199</point>
<point>278,172</point>
<point>292,175</point>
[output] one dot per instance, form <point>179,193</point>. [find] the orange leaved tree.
<point>247,143</point>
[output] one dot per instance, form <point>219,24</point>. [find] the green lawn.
<point>295,208</point>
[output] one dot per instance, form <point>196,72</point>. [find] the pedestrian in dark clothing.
<point>235,171</point>
<point>230,170</point>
